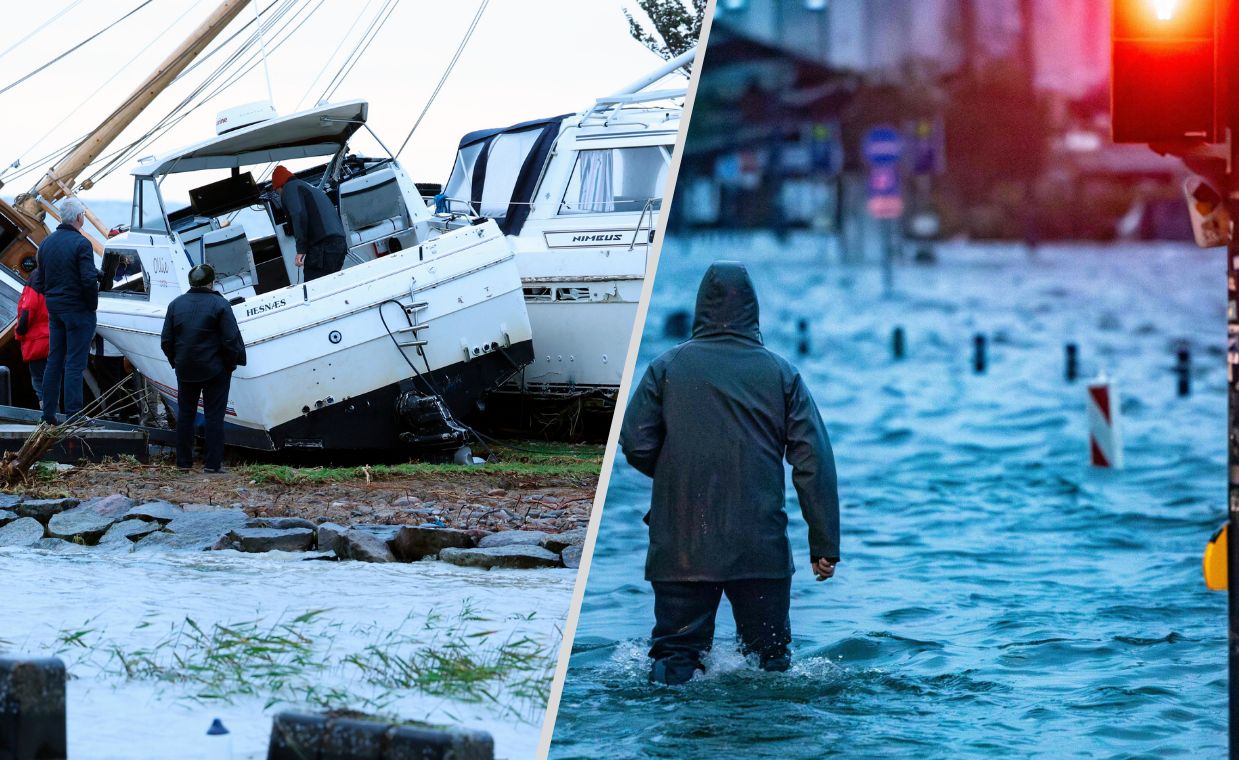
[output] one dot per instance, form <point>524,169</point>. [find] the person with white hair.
<point>69,281</point>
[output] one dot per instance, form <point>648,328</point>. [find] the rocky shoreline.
<point>116,522</point>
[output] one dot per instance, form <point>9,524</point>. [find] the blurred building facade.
<point>779,72</point>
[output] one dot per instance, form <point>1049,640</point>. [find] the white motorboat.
<point>397,347</point>
<point>578,197</point>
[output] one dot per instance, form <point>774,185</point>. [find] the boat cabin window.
<point>123,274</point>
<point>10,291</point>
<point>148,215</point>
<point>613,180</point>
<point>9,232</point>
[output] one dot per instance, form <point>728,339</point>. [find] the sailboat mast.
<point>59,180</point>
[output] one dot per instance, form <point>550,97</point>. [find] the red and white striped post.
<point>1105,437</point>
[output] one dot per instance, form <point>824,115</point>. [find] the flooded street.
<point>326,627</point>
<point>996,594</point>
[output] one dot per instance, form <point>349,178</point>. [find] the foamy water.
<point>997,596</point>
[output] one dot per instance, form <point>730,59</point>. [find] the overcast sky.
<point>527,58</point>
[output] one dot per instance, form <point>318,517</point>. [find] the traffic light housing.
<point>1164,76</point>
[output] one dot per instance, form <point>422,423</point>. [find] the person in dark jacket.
<point>70,286</point>
<point>31,330</point>
<point>203,344</point>
<point>316,224</point>
<point>711,422</point>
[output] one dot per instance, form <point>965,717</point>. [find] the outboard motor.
<point>428,422</point>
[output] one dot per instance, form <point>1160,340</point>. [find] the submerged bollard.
<point>897,343</point>
<point>978,353</point>
<point>1073,362</point>
<point>295,736</point>
<point>678,325</point>
<point>1183,369</point>
<point>32,708</point>
<point>802,342</point>
<point>1105,438</point>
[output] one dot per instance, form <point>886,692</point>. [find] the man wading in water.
<point>711,423</point>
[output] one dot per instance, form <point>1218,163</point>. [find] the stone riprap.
<point>273,539</point>
<point>156,511</point>
<point>24,531</point>
<point>513,538</point>
<point>518,556</point>
<point>415,542</point>
<point>44,509</point>
<point>116,523</point>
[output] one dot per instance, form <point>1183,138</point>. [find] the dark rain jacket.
<point>200,336</point>
<point>315,220</point>
<point>711,423</point>
<point>67,274</point>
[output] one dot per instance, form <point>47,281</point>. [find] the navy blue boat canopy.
<point>496,170</point>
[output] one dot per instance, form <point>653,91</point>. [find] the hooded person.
<point>32,328</point>
<point>711,422</point>
<point>203,344</point>
<point>316,224</point>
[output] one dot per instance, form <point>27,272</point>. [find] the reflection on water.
<point>996,595</point>
<point>133,601</point>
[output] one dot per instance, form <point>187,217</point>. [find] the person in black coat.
<point>69,281</point>
<point>316,224</point>
<point>203,344</point>
<point>711,422</point>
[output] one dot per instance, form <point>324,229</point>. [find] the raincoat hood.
<point>727,303</point>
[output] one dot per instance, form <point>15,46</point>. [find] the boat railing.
<point>605,106</point>
<point>647,208</point>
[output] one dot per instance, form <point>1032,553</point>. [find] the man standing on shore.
<point>316,224</point>
<point>711,423</point>
<point>203,344</point>
<point>70,285</point>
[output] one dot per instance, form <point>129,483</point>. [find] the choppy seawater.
<point>996,595</point>
<point>132,601</point>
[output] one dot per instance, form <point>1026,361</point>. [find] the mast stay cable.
<point>73,48</point>
<point>64,150</point>
<point>446,73</point>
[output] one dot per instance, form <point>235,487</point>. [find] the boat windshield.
<point>616,180</point>
<point>496,171</point>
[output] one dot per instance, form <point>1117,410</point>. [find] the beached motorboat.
<point>397,347</point>
<point>578,197</point>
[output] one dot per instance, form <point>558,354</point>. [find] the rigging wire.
<point>187,106</point>
<point>451,64</point>
<point>331,57</point>
<point>40,28</point>
<point>360,50</point>
<point>64,150</point>
<point>99,89</point>
<point>74,48</point>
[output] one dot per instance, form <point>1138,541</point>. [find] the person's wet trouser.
<point>214,395</point>
<point>69,336</point>
<point>684,615</point>
<point>37,368</point>
<point>325,257</point>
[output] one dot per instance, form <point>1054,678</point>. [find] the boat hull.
<point>324,365</point>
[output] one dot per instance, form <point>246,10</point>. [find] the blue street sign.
<point>826,148</point>
<point>928,153</point>
<point>882,145</point>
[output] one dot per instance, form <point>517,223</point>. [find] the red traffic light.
<point>1164,71</point>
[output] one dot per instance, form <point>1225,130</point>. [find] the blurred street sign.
<point>882,145</point>
<point>885,196</point>
<point>928,150</point>
<point>826,148</point>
